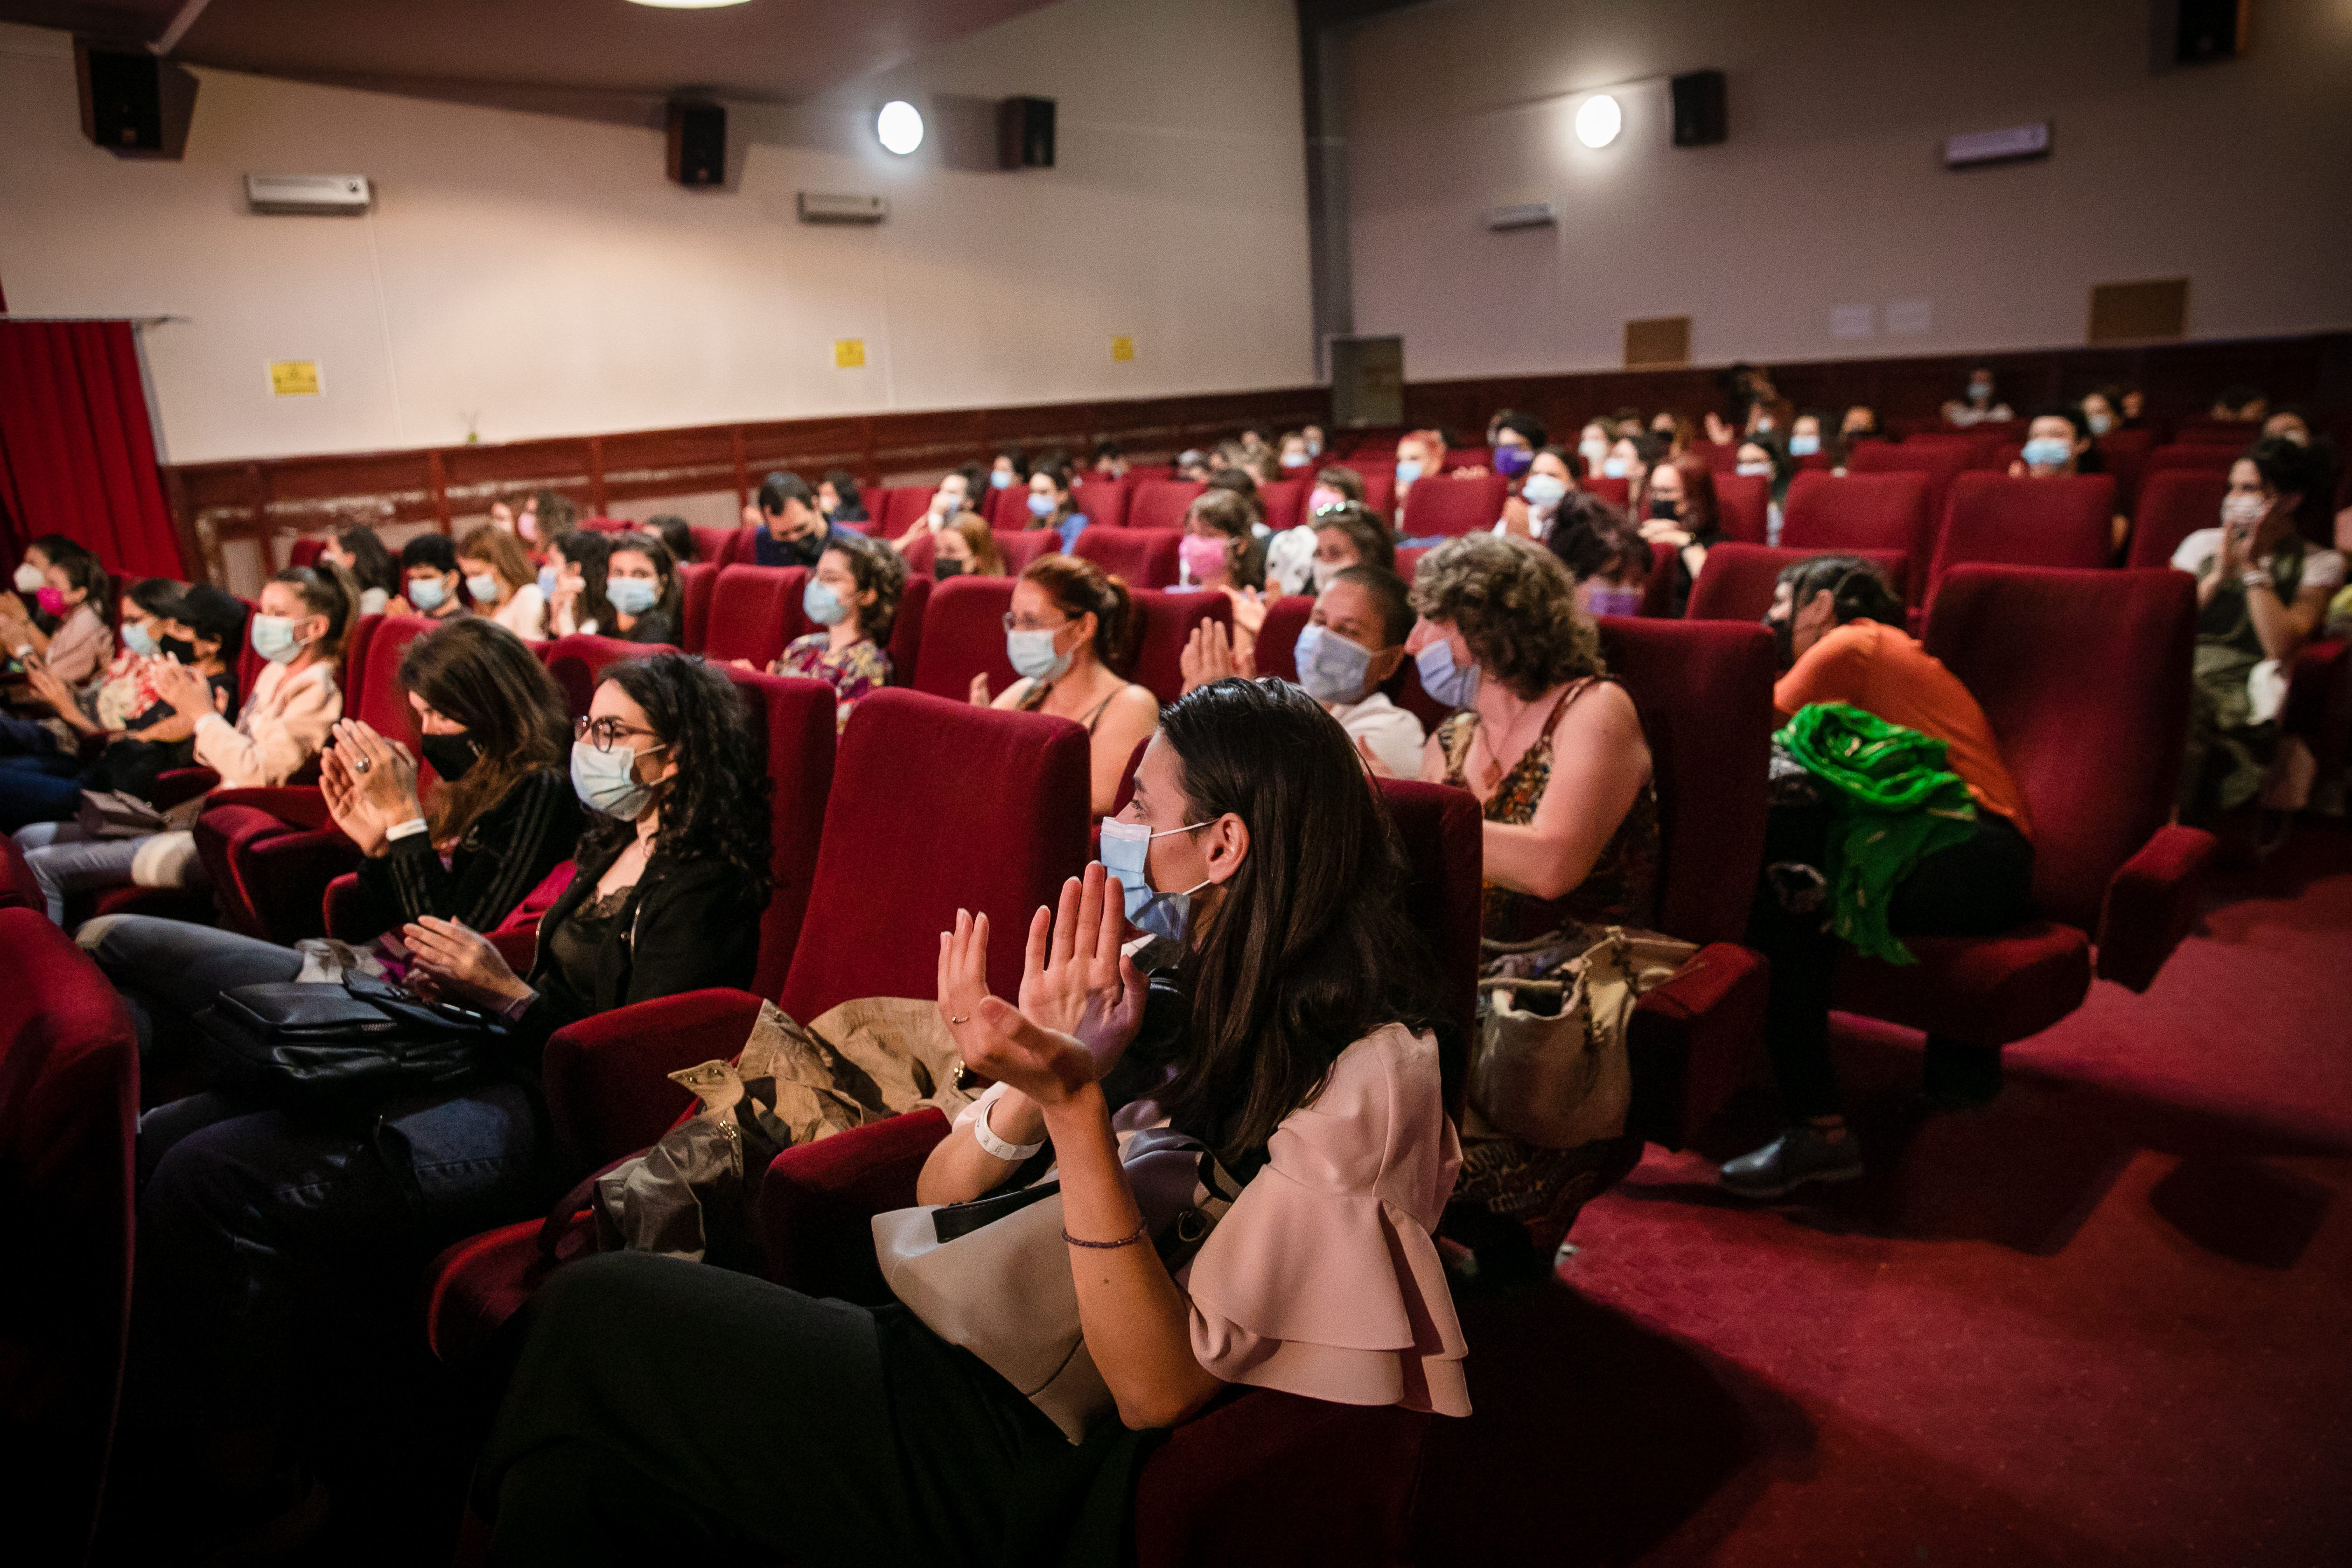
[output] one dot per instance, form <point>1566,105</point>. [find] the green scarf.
<point>1895,802</point>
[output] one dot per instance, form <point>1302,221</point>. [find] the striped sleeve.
<point>516,844</point>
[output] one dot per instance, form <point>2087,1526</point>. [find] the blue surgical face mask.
<point>1408,472</point>
<point>2048,452</point>
<point>1295,459</point>
<point>1000,478</point>
<point>1512,461</point>
<point>427,592</point>
<point>632,595</point>
<point>1330,667</point>
<point>1543,491</point>
<point>547,582</point>
<point>485,588</point>
<point>1033,653</point>
<point>820,604</point>
<point>2100,423</point>
<point>274,638</point>
<point>1126,854</point>
<point>607,781</point>
<point>1454,685</point>
<point>1614,467</point>
<point>1753,470</point>
<point>1803,445</point>
<point>137,639</point>
<point>1040,506</point>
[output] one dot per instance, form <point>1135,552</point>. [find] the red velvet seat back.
<point>894,511</point>
<point>1020,549</point>
<point>1745,501</point>
<point>68,1116</point>
<point>1161,503</point>
<point>1285,502</point>
<point>906,646</point>
<point>380,699</point>
<point>578,664</point>
<point>2084,678</point>
<point>2199,456</point>
<point>1409,559</point>
<point>305,552</point>
<point>995,825</point>
<point>2124,453</point>
<point>1703,689</point>
<point>1467,457</point>
<point>717,546</point>
<point>922,552</point>
<point>1738,582</point>
<point>1861,512</point>
<point>754,611</point>
<point>1722,457</point>
<point>1104,502</point>
<point>1443,833</point>
<point>1146,557</point>
<point>1463,504</point>
<point>2234,434</point>
<point>1007,507</point>
<point>1380,493</point>
<point>1277,639</point>
<point>1618,493</point>
<point>698,580</point>
<point>963,635</point>
<point>2174,504</point>
<point>1939,460</point>
<point>1168,621</point>
<point>792,733</point>
<point>2065,520</point>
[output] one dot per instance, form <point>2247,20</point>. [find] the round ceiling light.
<point>1598,120</point>
<point>901,126</point>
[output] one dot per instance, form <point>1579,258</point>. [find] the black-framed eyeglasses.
<point>603,733</point>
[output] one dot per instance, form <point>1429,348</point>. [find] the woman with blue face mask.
<point>251,1217</point>
<point>641,585</point>
<point>500,582</point>
<point>1069,635</point>
<point>2058,444</point>
<point>1052,504</point>
<point>1535,501</point>
<point>854,599</point>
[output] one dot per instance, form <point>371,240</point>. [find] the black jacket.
<point>501,857</point>
<point>688,925</point>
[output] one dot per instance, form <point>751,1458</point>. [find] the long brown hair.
<point>479,673</point>
<point>1080,587</point>
<point>503,551</point>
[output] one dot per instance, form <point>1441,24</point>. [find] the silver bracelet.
<point>2256,578</point>
<point>1013,1153</point>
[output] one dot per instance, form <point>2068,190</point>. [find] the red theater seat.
<point>720,546</point>
<point>578,663</point>
<point>1161,503</point>
<point>1146,557</point>
<point>754,612</point>
<point>69,1119</point>
<point>1103,503</point>
<point>2125,453</point>
<point>1861,512</point>
<point>1007,509</point>
<point>906,632</point>
<point>1168,622</point>
<point>2063,521</point>
<point>1380,493</point>
<point>1723,457</point>
<point>1939,460</point>
<point>1703,689</point>
<point>895,509</point>
<point>963,635</point>
<point>1277,639</point>
<point>2085,677</point>
<point>2236,434</point>
<point>1745,501</point>
<point>1021,549</point>
<point>2173,504</point>
<point>1409,558</point>
<point>1285,502</point>
<point>1616,493</point>
<point>2205,458</point>
<point>1738,581</point>
<point>698,580</point>
<point>1452,506</point>
<point>792,731</point>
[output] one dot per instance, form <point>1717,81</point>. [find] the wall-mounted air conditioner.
<point>331,195</point>
<point>1526,214</point>
<point>816,208</point>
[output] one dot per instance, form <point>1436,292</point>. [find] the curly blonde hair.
<point>1514,604</point>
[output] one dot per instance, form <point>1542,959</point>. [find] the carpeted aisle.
<point>2105,1320</point>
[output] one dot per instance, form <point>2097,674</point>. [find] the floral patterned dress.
<point>852,672</point>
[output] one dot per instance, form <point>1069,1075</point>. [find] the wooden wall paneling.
<point>693,460</point>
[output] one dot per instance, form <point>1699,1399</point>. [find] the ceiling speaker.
<point>697,144</point>
<point>1024,133</point>
<point>1701,119</point>
<point>134,104</point>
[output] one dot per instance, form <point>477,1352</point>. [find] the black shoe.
<point>1803,1154</point>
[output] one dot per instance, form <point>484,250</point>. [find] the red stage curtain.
<point>77,452</point>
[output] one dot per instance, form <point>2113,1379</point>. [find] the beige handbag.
<point>993,1275</point>
<point>1558,1080</point>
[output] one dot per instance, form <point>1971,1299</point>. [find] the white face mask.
<point>1753,471</point>
<point>2243,511</point>
<point>29,578</point>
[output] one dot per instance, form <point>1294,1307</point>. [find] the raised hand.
<point>979,690</point>
<point>382,770</point>
<point>963,979</point>
<point>1208,655</point>
<point>459,964</point>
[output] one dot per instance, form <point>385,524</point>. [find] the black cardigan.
<point>687,926</point>
<point>504,854</point>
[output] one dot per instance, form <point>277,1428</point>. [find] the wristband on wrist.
<point>514,1011</point>
<point>409,829</point>
<point>1011,1153</point>
<point>2254,577</point>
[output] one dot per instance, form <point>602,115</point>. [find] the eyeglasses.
<point>602,733</point>
<point>1336,508</point>
<point>1013,623</point>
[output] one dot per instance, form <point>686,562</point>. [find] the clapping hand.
<point>340,788</point>
<point>449,962</point>
<point>1249,610</point>
<point>1208,655</point>
<point>382,770</point>
<point>190,695</point>
<point>977,694</point>
<point>52,690</point>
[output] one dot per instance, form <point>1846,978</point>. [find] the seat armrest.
<point>296,805</point>
<point>1693,1040</point>
<point>817,1203</point>
<point>2151,904</point>
<point>176,786</point>
<point>2312,676</point>
<point>607,1078</point>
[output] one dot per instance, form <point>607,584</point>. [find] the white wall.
<point>1831,190</point>
<point>526,276</point>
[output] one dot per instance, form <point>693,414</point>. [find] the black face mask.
<point>943,570</point>
<point>451,755</point>
<point>804,552</point>
<point>1784,640</point>
<point>180,648</point>
<point>1663,509</point>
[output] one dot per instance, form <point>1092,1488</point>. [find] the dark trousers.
<point>1979,887</point>
<point>40,787</point>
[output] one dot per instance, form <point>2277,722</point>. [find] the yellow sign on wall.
<point>849,353</point>
<point>294,377</point>
<point>1122,350</point>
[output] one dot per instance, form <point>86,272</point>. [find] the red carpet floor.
<point>2105,1320</point>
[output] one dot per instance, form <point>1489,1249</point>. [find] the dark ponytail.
<point>1082,588</point>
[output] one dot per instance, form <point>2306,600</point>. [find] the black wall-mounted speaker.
<point>1024,133</point>
<point>697,144</point>
<point>2212,30</point>
<point>134,104</point>
<point>1701,119</point>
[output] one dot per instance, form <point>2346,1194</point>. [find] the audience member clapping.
<point>65,631</point>
<point>1682,513</point>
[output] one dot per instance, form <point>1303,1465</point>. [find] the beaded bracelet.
<point>1109,1246</point>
